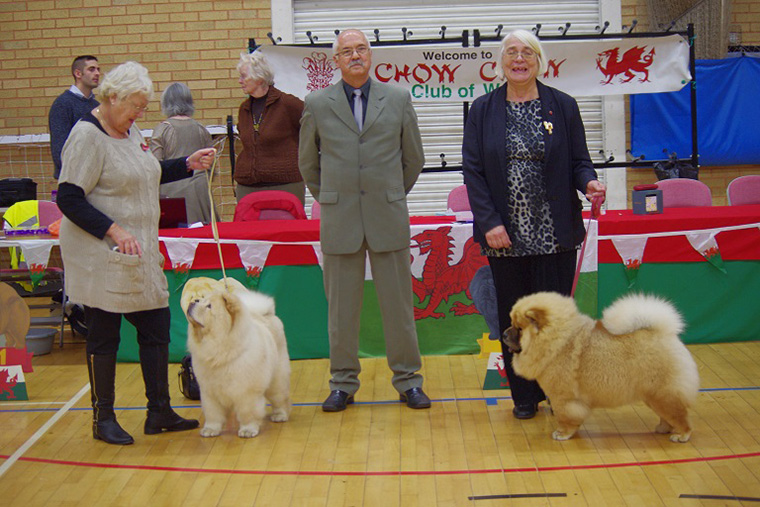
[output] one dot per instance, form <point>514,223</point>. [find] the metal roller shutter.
<point>441,123</point>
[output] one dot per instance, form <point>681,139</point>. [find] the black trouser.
<point>104,328</point>
<point>515,277</point>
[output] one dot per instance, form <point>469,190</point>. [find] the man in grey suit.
<point>360,153</point>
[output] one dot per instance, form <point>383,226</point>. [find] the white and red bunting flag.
<point>442,73</point>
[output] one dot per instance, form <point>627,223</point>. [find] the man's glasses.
<point>349,52</point>
<point>527,54</point>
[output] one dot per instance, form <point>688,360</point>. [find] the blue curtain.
<point>728,116</point>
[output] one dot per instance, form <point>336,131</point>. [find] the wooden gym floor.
<point>466,450</point>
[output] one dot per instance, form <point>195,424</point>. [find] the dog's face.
<point>197,288</point>
<point>529,316</point>
<point>525,326</point>
<point>214,314</point>
<point>511,338</point>
<point>210,307</point>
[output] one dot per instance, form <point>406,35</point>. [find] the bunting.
<point>707,246</point>
<point>37,253</point>
<point>253,256</point>
<point>631,250</point>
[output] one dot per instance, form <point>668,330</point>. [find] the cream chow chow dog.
<point>632,354</point>
<point>239,352</point>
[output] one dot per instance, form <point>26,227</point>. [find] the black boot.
<point>154,361</point>
<point>102,370</point>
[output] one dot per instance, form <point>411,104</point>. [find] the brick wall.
<point>745,14</point>
<point>196,42</point>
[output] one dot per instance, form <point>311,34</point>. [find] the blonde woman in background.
<point>268,126</point>
<point>179,136</point>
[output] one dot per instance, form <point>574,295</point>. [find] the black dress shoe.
<point>525,411</point>
<point>337,401</point>
<point>415,398</point>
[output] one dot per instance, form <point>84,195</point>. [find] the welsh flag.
<point>12,383</point>
<point>496,377</point>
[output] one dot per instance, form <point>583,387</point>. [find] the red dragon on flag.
<point>440,279</point>
<point>633,61</point>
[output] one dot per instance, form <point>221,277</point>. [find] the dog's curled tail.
<point>258,302</point>
<point>638,311</point>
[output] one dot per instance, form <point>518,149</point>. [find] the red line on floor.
<point>389,473</point>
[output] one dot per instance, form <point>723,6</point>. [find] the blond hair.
<point>125,80</point>
<point>255,66</point>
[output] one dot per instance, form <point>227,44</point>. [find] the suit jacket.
<point>361,179</point>
<point>567,165</point>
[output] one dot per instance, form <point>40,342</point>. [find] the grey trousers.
<point>344,287</point>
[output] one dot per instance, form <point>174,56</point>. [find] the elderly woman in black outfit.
<point>108,193</point>
<point>525,159</point>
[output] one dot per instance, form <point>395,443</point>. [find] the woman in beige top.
<point>108,193</point>
<point>179,136</point>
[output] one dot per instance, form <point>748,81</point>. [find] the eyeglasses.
<point>349,52</point>
<point>527,54</point>
<point>137,108</point>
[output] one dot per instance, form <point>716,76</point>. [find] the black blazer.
<point>567,164</point>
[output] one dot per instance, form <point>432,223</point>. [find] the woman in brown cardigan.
<point>268,126</point>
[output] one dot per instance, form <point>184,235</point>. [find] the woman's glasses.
<point>139,109</point>
<point>527,54</point>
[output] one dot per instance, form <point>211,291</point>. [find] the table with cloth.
<point>282,258</point>
<point>706,260</point>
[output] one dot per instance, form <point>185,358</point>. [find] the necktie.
<point>358,109</point>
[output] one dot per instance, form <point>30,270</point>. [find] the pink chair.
<point>458,200</point>
<point>269,205</point>
<point>684,192</point>
<point>315,212</point>
<point>744,190</point>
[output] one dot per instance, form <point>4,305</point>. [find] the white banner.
<point>580,68</point>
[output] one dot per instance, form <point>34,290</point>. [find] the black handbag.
<point>188,384</point>
<point>13,190</point>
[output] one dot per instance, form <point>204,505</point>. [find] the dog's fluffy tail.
<point>257,302</point>
<point>637,311</point>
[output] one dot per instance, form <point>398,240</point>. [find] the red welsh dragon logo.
<point>319,69</point>
<point>440,280</point>
<point>634,60</point>
<point>7,384</point>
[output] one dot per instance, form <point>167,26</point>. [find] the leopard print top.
<point>531,227</point>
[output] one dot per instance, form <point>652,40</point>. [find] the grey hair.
<point>177,100</point>
<point>335,42</point>
<point>255,65</point>
<point>124,80</point>
<point>530,40</point>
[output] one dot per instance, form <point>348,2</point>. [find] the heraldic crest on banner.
<point>320,70</point>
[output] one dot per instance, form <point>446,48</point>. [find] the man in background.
<point>360,153</point>
<point>72,104</point>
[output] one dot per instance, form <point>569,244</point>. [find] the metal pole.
<point>693,70</point>
<point>231,144</point>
